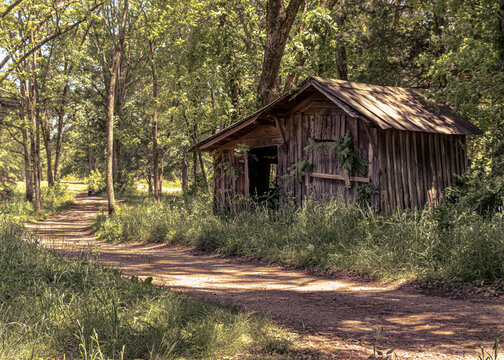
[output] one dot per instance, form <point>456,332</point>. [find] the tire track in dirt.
<point>337,317</point>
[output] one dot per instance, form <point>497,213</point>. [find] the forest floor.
<point>333,317</point>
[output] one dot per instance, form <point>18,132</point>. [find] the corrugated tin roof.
<point>386,107</point>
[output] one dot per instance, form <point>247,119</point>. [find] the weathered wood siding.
<point>230,178</point>
<point>408,169</point>
<point>323,122</point>
<point>415,167</point>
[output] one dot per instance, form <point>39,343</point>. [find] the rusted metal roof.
<point>385,107</point>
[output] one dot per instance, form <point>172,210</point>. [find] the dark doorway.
<point>262,169</point>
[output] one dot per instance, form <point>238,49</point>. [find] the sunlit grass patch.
<point>52,307</point>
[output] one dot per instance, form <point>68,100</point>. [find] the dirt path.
<point>337,316</point>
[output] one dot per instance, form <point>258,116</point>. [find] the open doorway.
<point>263,173</point>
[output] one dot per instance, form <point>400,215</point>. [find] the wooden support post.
<point>279,126</point>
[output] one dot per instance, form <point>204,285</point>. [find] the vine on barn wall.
<point>347,160</point>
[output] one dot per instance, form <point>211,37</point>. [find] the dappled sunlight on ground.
<point>338,316</point>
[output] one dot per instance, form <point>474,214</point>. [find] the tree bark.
<point>27,166</point>
<point>341,53</point>
<point>501,23</point>
<point>34,149</point>
<point>155,166</point>
<point>279,21</point>
<point>161,175</point>
<point>46,136</point>
<point>185,175</point>
<point>203,172</point>
<point>26,146</point>
<point>149,182</point>
<point>90,161</point>
<point>110,109</point>
<point>59,134</point>
<point>195,165</point>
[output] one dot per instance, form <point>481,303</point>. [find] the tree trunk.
<point>149,182</point>
<point>35,154</point>
<point>110,109</point>
<point>27,167</point>
<point>46,136</point>
<point>59,134</point>
<point>185,175</point>
<point>161,174</point>
<point>203,172</point>
<point>155,167</point>
<point>501,23</point>
<point>90,161</point>
<point>279,21</point>
<point>341,53</point>
<point>26,146</point>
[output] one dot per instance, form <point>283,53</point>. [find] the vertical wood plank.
<point>404,167</point>
<point>466,158</point>
<point>393,191</point>
<point>408,151</point>
<point>396,158</point>
<point>458,155</point>
<point>445,160</point>
<point>453,167</point>
<point>433,167</point>
<point>246,174</point>
<point>439,166</point>
<point>418,172</point>
<point>426,166</point>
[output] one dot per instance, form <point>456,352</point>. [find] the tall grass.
<point>54,200</point>
<point>51,307</point>
<point>443,244</point>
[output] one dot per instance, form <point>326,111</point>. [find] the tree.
<point>279,20</point>
<point>116,63</point>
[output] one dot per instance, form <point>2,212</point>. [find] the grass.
<point>54,200</point>
<point>55,308</point>
<point>443,245</point>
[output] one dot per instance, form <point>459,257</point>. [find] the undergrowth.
<point>55,199</point>
<point>54,308</point>
<point>443,244</point>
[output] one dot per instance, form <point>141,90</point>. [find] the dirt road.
<point>335,316</point>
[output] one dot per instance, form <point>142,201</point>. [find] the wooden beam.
<point>279,126</point>
<point>337,101</point>
<point>304,103</point>
<point>340,177</point>
<point>226,133</point>
<point>370,136</point>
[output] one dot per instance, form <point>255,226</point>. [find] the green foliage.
<point>57,198</point>
<point>294,175</point>
<point>487,355</point>
<point>54,200</point>
<point>364,192</point>
<point>96,183</point>
<point>445,245</point>
<point>346,156</point>
<point>55,308</point>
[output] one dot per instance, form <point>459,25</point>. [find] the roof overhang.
<point>383,107</point>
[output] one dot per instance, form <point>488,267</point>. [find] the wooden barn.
<point>332,138</point>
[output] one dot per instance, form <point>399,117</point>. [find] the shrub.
<point>96,183</point>
<point>57,198</point>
